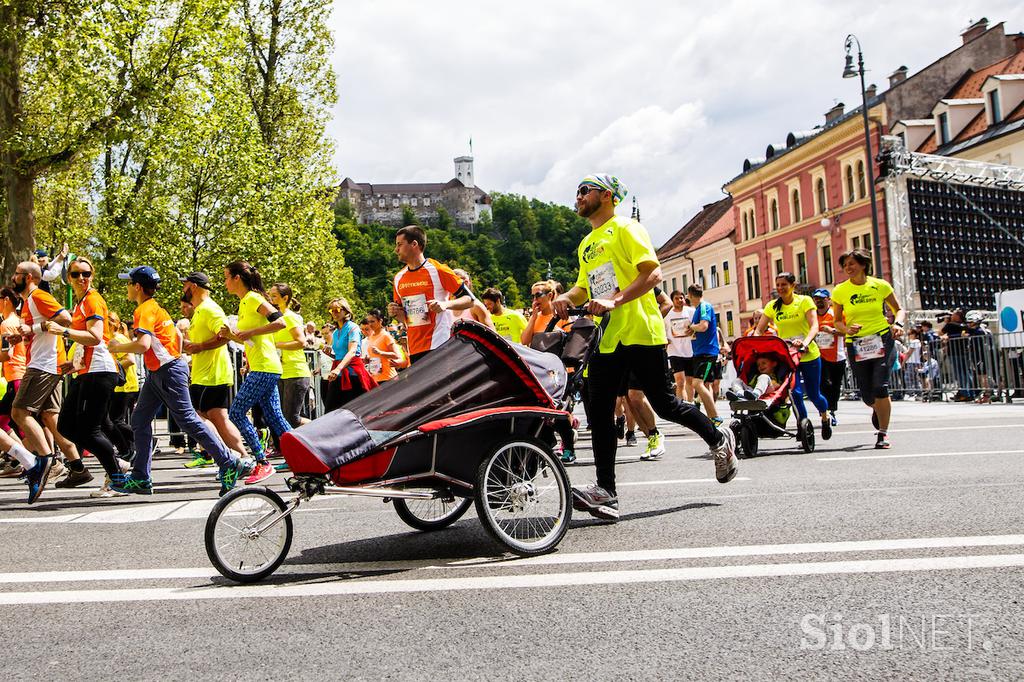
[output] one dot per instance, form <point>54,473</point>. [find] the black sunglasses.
<point>83,275</point>
<point>584,190</point>
<point>541,294</point>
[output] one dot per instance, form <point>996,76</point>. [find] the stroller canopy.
<point>475,369</point>
<point>746,349</point>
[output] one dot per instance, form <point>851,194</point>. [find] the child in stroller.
<point>766,380</point>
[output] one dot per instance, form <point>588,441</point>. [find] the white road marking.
<point>196,509</point>
<point>61,518</point>
<point>135,513</point>
<point>678,480</point>
<point>541,580</point>
<point>583,558</point>
<point>920,454</point>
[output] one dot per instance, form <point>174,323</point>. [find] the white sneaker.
<point>655,447</point>
<point>726,464</point>
<point>106,491</point>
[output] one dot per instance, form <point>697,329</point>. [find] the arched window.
<point>746,227</point>
<point>822,205</point>
<point>775,214</point>
<point>862,186</point>
<point>797,217</point>
<point>849,184</point>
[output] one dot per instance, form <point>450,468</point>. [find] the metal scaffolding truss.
<point>900,165</point>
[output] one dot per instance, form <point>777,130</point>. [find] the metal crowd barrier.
<point>983,368</point>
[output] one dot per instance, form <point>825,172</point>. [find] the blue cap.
<point>144,274</point>
<point>820,293</point>
<point>42,253</point>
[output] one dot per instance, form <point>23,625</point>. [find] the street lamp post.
<point>849,72</point>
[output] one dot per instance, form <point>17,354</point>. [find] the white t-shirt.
<point>675,325</point>
<point>914,358</point>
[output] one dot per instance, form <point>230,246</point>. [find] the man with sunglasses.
<point>618,273</point>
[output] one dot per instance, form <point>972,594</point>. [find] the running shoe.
<point>107,491</point>
<point>717,421</point>
<point>133,486</point>
<point>242,467</point>
<point>74,479</point>
<point>283,466</point>
<point>630,439</point>
<point>655,447</point>
<point>620,427</point>
<point>597,501</point>
<point>56,471</point>
<point>826,428</point>
<point>262,472</point>
<point>832,414</point>
<point>726,464</point>
<point>12,470</point>
<point>200,461</point>
<point>882,443</point>
<point>37,477</point>
<point>567,456</point>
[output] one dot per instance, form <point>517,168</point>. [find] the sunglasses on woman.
<point>541,294</point>
<point>83,275</point>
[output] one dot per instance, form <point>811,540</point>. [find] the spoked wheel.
<point>523,497</point>
<point>805,432</point>
<point>434,514</point>
<point>248,534</point>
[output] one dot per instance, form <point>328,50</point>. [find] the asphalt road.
<point>844,562</point>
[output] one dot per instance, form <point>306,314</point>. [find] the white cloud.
<point>671,97</point>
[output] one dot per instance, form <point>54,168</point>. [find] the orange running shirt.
<point>379,367</point>
<point>93,307</point>
<point>833,348</point>
<point>14,369</point>
<point>42,349</point>
<point>412,290</point>
<point>151,319</point>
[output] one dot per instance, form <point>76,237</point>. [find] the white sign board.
<point>1010,306</point>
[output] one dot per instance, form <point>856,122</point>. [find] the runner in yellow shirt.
<point>796,320</point>
<point>618,273</point>
<point>507,322</point>
<point>291,342</point>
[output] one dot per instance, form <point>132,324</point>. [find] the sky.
<point>669,96</point>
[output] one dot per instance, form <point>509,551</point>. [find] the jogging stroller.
<point>472,422</point>
<point>767,417</point>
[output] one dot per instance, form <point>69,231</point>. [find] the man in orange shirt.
<point>833,352</point>
<point>423,292</point>
<point>167,382</point>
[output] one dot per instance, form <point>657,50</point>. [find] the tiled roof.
<point>928,146</point>
<point>695,228</point>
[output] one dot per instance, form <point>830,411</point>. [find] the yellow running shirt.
<point>864,305</point>
<point>791,322</point>
<point>510,325</point>
<point>131,376</point>
<point>608,259</point>
<point>260,350</point>
<point>293,362</point>
<point>209,367</point>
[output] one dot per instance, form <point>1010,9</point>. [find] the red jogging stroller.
<point>472,422</point>
<point>767,417</point>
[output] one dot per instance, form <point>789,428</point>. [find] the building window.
<point>822,201</point>
<point>426,201</point>
<point>395,202</point>
<point>746,227</point>
<point>700,278</point>
<point>796,206</point>
<point>862,242</point>
<point>725,273</point>
<point>728,323</point>
<point>714,276</point>
<point>674,287</point>
<point>415,201</point>
<point>943,127</point>
<point>753,283</point>
<point>775,214</point>
<point>801,268</point>
<point>849,184</point>
<point>779,267</point>
<point>753,225</point>
<point>993,104</point>
<point>826,259</point>
<point>382,203</point>
<point>686,284</point>
<point>862,184</point>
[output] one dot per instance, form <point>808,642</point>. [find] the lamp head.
<point>851,70</point>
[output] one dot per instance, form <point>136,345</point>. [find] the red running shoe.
<point>262,472</point>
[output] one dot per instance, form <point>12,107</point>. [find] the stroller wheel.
<point>805,432</point>
<point>523,497</point>
<point>248,534</point>
<point>435,514</point>
<point>747,438</point>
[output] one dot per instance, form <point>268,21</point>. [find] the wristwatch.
<point>66,334</point>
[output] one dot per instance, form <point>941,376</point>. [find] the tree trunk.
<point>21,218</point>
<point>19,237</point>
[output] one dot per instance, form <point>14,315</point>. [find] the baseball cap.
<point>42,253</point>
<point>821,293</point>
<point>145,275</point>
<point>198,278</point>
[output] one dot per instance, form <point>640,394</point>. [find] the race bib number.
<point>679,327</point>
<point>374,365</point>
<point>868,348</point>
<point>603,283</point>
<point>825,340</point>
<point>78,357</point>
<point>416,313</point>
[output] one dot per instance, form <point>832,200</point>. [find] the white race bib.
<point>374,365</point>
<point>825,340</point>
<point>78,357</point>
<point>416,313</point>
<point>603,283</point>
<point>679,327</point>
<point>868,348</point>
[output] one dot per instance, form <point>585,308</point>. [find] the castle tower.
<point>464,170</point>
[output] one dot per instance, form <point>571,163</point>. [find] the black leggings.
<point>873,375</point>
<point>334,397</point>
<point>648,366</point>
<point>120,412</point>
<point>84,413</point>
<point>832,381</point>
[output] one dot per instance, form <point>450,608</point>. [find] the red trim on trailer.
<point>439,424</point>
<point>300,458</point>
<point>368,468</point>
